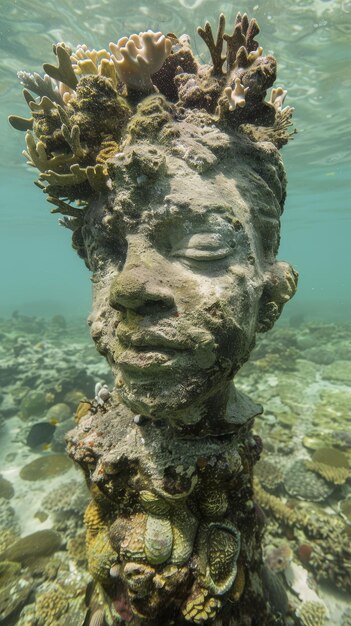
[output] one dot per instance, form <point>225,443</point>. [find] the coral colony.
<point>87,110</point>
<point>168,173</point>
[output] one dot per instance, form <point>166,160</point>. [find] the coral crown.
<point>85,105</point>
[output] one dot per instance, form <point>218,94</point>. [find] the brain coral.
<point>301,482</point>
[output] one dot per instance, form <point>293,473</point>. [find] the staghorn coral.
<point>85,61</point>
<point>81,106</point>
<point>276,506</point>
<point>236,96</point>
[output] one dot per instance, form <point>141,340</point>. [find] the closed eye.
<point>202,247</point>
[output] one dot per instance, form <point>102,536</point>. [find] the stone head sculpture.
<point>168,173</point>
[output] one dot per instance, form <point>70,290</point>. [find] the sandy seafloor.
<point>300,372</point>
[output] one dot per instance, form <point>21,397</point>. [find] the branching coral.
<point>85,61</point>
<point>85,108</point>
<point>330,558</point>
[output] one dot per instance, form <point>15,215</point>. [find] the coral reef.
<point>40,543</point>
<point>324,535</point>
<point>70,143</point>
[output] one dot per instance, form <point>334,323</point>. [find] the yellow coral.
<point>101,556</point>
<point>239,584</point>
<point>200,607</point>
<point>50,606</point>
<point>93,520</point>
<point>85,61</point>
<point>312,613</point>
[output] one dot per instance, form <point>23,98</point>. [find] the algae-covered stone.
<point>44,467</point>
<point>59,412</point>
<point>33,403</point>
<point>40,543</point>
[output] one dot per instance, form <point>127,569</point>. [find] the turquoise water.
<point>311,40</point>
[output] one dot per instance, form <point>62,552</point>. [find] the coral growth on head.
<point>85,108</point>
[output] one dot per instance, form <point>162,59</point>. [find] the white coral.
<point>277,98</point>
<point>236,96</point>
<point>138,57</point>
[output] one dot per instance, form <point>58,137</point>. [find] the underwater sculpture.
<point>168,173</point>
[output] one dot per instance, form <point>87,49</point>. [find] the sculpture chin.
<point>170,394</point>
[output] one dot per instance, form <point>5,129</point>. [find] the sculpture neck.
<point>225,412</point>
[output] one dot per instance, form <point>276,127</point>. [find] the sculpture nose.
<point>140,285</point>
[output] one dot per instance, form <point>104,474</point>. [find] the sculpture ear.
<point>280,286</point>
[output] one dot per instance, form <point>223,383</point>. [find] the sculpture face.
<point>176,303</point>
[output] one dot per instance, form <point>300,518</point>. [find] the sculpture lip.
<point>151,340</point>
<point>132,360</point>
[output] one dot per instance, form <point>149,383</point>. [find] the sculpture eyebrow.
<point>185,216</point>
